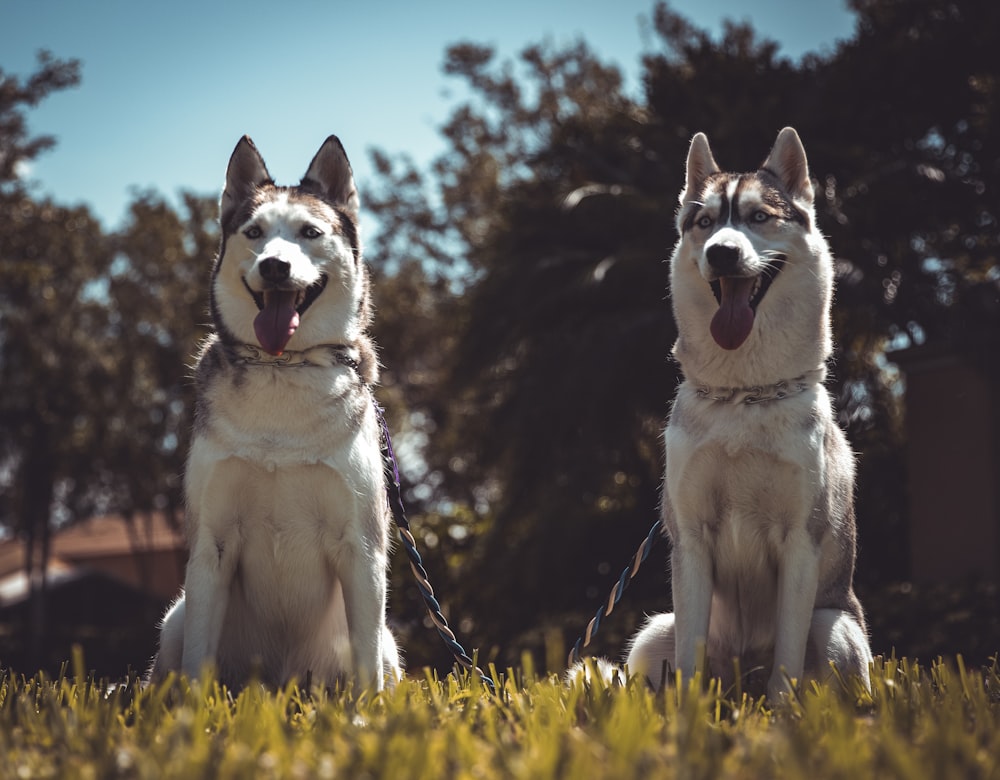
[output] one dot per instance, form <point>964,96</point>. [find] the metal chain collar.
<point>319,355</point>
<point>759,394</point>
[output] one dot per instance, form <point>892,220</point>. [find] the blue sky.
<point>169,87</point>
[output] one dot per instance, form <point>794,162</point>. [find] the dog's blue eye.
<point>704,222</point>
<point>253,232</point>
<point>760,216</point>
<point>310,231</point>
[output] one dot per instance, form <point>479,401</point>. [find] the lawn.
<point>936,721</point>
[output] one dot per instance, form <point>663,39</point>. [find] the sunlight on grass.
<point>918,722</point>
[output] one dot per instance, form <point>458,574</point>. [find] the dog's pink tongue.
<point>732,322</point>
<point>277,321</point>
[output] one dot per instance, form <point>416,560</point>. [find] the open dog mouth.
<point>739,297</point>
<point>280,313</point>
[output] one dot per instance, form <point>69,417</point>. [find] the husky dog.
<point>758,490</point>
<point>287,518</point>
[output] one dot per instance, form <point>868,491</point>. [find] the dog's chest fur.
<point>740,479</point>
<point>284,416</point>
<point>294,452</point>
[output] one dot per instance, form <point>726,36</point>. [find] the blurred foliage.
<point>522,301</point>
<point>17,147</point>
<point>95,332</point>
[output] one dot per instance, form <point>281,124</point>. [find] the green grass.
<point>941,721</point>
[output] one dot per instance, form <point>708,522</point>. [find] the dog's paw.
<point>591,669</point>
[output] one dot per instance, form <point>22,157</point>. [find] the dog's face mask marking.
<point>289,253</point>
<point>739,226</point>
<point>284,246</point>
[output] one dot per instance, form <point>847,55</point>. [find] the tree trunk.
<point>37,480</point>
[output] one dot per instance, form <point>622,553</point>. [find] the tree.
<point>17,95</point>
<point>158,312</point>
<point>94,336</point>
<point>44,256</point>
<point>94,333</point>
<point>50,366</point>
<point>548,283</point>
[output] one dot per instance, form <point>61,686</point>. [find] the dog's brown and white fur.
<point>286,519</point>
<point>758,489</point>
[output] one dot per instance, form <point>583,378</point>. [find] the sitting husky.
<point>287,518</point>
<point>759,483</point>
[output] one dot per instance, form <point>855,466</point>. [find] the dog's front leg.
<point>798,578</point>
<point>362,575</point>
<point>206,596</point>
<point>691,580</point>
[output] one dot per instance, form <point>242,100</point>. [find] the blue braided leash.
<point>616,592</point>
<point>395,496</point>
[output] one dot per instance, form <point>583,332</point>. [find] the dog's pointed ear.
<point>700,165</point>
<point>787,161</point>
<point>330,173</point>
<point>246,173</point>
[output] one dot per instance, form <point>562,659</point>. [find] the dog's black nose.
<point>723,258</point>
<point>272,269</point>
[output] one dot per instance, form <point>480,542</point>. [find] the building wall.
<point>159,573</point>
<point>953,462</point>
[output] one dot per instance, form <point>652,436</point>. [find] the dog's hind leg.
<point>836,637</point>
<point>170,652</point>
<point>651,651</point>
<point>392,667</point>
